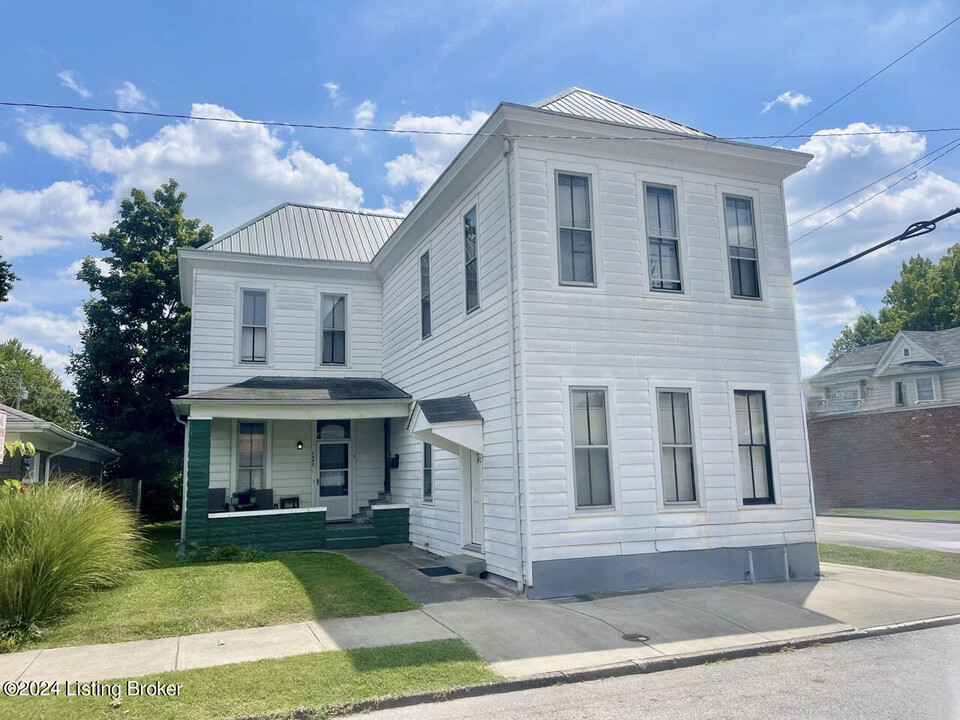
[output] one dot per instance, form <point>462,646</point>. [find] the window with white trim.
<point>253,326</point>
<point>753,439</point>
<point>591,448</point>
<point>742,247</point>
<point>427,472</point>
<point>333,311</point>
<point>677,473</point>
<point>925,392</point>
<point>575,229</point>
<point>425,320</point>
<point>471,268</point>
<point>250,455</point>
<point>663,239</point>
<point>900,394</point>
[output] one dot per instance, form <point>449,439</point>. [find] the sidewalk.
<point>521,638</point>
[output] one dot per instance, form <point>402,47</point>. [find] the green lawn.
<point>177,598</point>
<point>322,682</point>
<point>895,514</point>
<point>928,562</point>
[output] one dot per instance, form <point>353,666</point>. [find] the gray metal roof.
<point>302,389</point>
<point>587,104</point>
<point>311,233</point>
<point>449,409</point>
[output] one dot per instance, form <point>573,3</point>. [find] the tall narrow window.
<point>924,389</point>
<point>250,456</point>
<point>591,448</point>
<point>756,475</point>
<point>425,326</point>
<point>334,318</point>
<point>900,394</point>
<point>742,245</point>
<point>471,274</point>
<point>253,331</point>
<point>676,447</point>
<point>427,472</point>
<point>663,239</point>
<point>575,229</point>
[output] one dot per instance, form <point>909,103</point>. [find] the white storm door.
<point>333,479</point>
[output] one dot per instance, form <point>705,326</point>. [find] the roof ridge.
<point>361,211</point>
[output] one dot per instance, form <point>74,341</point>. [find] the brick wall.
<point>907,459</point>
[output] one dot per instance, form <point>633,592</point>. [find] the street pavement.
<point>872,532</point>
<point>910,675</point>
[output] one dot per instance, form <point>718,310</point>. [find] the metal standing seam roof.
<point>587,104</point>
<point>310,232</point>
<point>449,409</point>
<point>302,389</point>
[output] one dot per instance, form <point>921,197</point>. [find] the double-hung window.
<point>250,456</point>
<point>742,246</point>
<point>663,239</point>
<point>575,229</point>
<point>425,326</point>
<point>471,274</point>
<point>591,447</point>
<point>427,472</point>
<point>753,440</point>
<point>334,321</point>
<point>900,394</point>
<point>924,389</point>
<point>676,447</point>
<point>253,327</point>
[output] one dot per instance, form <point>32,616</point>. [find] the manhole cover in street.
<point>635,637</point>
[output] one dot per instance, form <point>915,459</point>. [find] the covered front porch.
<point>283,463</point>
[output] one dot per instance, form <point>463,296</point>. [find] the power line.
<point>911,174</point>
<point>463,133</point>
<point>918,228</point>
<point>876,74</point>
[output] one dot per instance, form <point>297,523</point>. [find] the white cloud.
<point>229,171</point>
<point>832,313</point>
<point>431,153</point>
<point>333,92</point>
<point>793,100</point>
<point>69,273</point>
<point>130,97</point>
<point>364,113</point>
<point>70,79</point>
<point>32,221</point>
<point>3,147</point>
<point>811,363</point>
<point>49,334</point>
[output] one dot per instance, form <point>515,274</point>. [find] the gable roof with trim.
<point>941,345</point>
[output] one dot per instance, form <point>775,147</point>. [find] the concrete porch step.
<point>466,564</point>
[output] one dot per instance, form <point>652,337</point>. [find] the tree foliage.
<point>7,278</point>
<point>135,345</point>
<point>925,297</point>
<point>47,398</point>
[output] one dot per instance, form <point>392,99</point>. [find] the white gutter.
<point>46,469</point>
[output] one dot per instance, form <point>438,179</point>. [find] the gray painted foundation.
<point>577,576</point>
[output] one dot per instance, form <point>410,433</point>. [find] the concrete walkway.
<point>521,637</point>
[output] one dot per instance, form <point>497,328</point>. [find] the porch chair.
<point>217,500</point>
<point>264,500</point>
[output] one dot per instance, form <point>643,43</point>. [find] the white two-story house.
<point>575,360</point>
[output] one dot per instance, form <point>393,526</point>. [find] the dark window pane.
<point>661,212</point>
<point>425,317</point>
<point>664,265</point>
<point>473,286</point>
<point>334,456</point>
<point>755,461</point>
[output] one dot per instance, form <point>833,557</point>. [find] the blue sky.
<point>445,65</point>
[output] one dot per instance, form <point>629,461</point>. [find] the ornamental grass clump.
<point>58,544</point>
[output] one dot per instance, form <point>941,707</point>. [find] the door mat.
<point>438,571</point>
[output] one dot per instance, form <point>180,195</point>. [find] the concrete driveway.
<point>872,532</point>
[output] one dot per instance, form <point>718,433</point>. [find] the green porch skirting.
<point>392,524</point>
<point>270,532</point>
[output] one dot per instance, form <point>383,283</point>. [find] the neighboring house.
<point>884,424</point>
<point>59,451</point>
<point>574,362</point>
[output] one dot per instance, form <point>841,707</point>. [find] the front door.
<point>333,478</point>
<point>472,505</point>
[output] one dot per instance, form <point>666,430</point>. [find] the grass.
<point>927,562</point>
<point>177,598</point>
<point>320,682</point>
<point>896,514</point>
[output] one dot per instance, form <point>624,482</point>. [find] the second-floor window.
<point>742,246</point>
<point>334,312</point>
<point>253,330</point>
<point>900,394</point>
<point>925,389</point>
<point>425,326</point>
<point>575,229</point>
<point>663,239</point>
<point>471,274</point>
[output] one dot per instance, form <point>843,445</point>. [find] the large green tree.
<point>926,296</point>
<point>7,278</point>
<point>23,369</point>
<point>135,345</point>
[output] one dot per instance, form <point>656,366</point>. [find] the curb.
<point>637,667</point>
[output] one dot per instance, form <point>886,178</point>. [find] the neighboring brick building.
<point>884,424</point>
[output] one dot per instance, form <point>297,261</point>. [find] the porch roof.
<point>449,423</point>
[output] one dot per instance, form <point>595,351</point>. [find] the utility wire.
<point>876,74</point>
<point>918,228</point>
<point>463,133</point>
<point>910,175</point>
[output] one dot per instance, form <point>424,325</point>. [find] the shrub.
<point>59,543</point>
<point>223,553</point>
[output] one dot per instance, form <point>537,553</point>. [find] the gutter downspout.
<point>46,468</point>
<point>514,432</point>
<point>183,483</point>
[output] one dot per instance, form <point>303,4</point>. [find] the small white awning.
<point>448,423</point>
